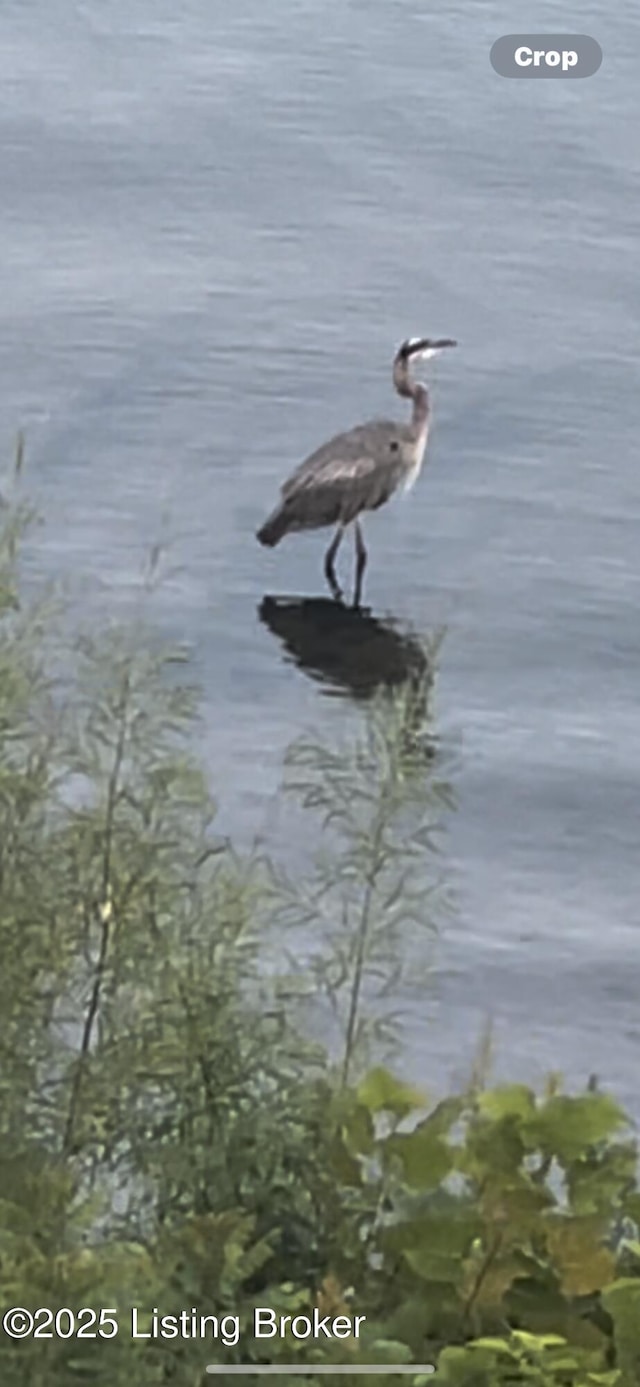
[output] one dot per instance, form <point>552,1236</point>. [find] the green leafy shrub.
<point>170,1138</point>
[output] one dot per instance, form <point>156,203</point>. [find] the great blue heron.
<point>358,470</point>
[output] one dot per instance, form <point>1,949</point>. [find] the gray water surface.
<point>217,223</point>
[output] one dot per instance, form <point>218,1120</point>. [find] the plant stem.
<point>105,921</point>
<point>363,931</point>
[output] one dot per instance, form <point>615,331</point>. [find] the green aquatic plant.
<point>376,894</point>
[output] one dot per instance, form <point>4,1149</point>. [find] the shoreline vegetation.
<point>171,1139</point>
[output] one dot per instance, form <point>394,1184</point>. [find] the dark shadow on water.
<point>350,651</point>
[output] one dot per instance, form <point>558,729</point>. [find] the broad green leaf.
<point>437,1245</point>
<point>389,1351</point>
<point>568,1128</point>
<point>509,1100</point>
<point>534,1343</point>
<point>424,1157</point>
<point>622,1301</point>
<point>599,1181</point>
<point>381,1092</point>
<point>488,1279</point>
<point>576,1247</point>
<point>495,1345</point>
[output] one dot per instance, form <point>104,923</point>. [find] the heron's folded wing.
<point>353,472</point>
<point>339,490</point>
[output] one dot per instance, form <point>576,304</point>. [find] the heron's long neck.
<point>420,416</point>
<point>413,390</point>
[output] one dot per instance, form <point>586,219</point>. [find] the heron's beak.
<point>433,348</point>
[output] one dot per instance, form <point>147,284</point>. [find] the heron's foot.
<point>336,590</point>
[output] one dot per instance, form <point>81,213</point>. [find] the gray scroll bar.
<point>309,1370</point>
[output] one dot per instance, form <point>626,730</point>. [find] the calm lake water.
<point>217,223</point>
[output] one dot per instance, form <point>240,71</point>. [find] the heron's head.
<point>421,348</point>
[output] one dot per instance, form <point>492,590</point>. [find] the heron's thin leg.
<point>361,563</point>
<point>329,570</point>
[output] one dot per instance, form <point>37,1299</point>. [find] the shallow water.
<point>217,224</point>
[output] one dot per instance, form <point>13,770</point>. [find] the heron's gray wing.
<point>354,471</point>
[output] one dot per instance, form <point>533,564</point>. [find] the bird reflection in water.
<point>351,652</point>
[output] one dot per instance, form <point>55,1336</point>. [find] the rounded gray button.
<point>546,55</point>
